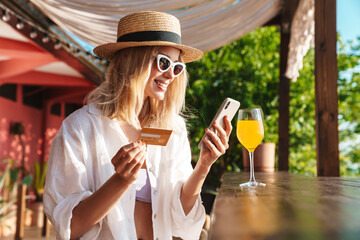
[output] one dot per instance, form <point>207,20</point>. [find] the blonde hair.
<point>121,95</point>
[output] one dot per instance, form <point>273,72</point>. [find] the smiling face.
<point>158,82</point>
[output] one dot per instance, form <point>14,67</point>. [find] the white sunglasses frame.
<point>172,64</point>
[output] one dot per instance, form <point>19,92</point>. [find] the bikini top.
<point>143,187</point>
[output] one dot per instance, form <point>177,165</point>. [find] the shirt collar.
<point>94,110</point>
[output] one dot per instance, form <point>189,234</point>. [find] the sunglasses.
<point>164,63</point>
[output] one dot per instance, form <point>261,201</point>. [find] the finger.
<point>126,159</point>
<point>125,149</point>
<point>216,141</point>
<point>137,167</point>
<point>131,159</point>
<point>212,148</point>
<point>222,134</point>
<point>121,154</point>
<point>228,126</point>
<point>221,142</point>
<point>128,168</point>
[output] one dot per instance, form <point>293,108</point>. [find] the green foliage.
<point>302,157</point>
<point>9,182</point>
<point>4,203</point>
<point>39,172</point>
<point>7,195</point>
<point>17,129</point>
<point>248,70</point>
<point>15,176</point>
<point>349,108</point>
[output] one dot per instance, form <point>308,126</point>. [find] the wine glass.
<point>250,132</point>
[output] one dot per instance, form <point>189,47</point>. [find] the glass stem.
<point>252,175</point>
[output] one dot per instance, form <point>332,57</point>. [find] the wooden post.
<point>284,102</point>
<point>20,212</point>
<point>45,231</point>
<point>287,15</point>
<point>326,97</point>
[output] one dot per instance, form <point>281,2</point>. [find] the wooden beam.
<point>17,66</point>
<point>66,94</point>
<point>275,21</point>
<point>326,97</point>
<point>85,67</point>
<point>28,55</point>
<point>287,16</point>
<point>7,44</point>
<point>47,79</point>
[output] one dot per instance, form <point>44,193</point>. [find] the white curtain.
<point>301,38</point>
<point>206,24</point>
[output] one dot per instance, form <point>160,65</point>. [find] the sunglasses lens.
<point>178,68</point>
<point>164,64</point>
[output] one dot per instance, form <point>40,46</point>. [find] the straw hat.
<point>148,28</point>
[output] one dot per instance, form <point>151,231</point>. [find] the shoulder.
<point>76,117</point>
<point>83,117</point>
<point>180,126</point>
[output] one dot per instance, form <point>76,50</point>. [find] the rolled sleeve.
<point>67,182</point>
<point>187,226</point>
<point>60,215</point>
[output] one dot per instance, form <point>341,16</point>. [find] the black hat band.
<point>145,36</point>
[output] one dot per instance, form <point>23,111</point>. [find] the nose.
<point>169,74</point>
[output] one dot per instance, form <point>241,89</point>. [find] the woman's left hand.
<point>218,144</point>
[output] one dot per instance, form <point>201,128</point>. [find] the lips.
<point>163,86</point>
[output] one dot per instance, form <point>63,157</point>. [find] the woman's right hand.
<point>128,160</point>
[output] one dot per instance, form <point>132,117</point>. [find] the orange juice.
<point>250,133</point>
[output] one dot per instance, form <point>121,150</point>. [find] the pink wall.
<point>52,126</point>
<point>32,119</point>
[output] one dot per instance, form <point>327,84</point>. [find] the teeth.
<point>161,84</point>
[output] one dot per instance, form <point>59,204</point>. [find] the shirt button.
<point>155,192</point>
<point>155,216</point>
<point>151,169</point>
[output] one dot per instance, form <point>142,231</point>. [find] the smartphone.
<point>229,107</point>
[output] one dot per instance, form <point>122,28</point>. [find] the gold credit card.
<point>155,136</point>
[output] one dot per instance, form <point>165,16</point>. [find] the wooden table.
<point>289,207</point>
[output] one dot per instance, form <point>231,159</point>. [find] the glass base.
<point>252,184</point>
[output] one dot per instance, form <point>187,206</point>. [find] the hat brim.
<point>108,50</point>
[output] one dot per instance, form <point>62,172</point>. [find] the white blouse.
<point>80,163</point>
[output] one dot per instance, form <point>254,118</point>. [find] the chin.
<point>158,97</point>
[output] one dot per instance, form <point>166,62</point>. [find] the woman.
<point>102,182</point>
